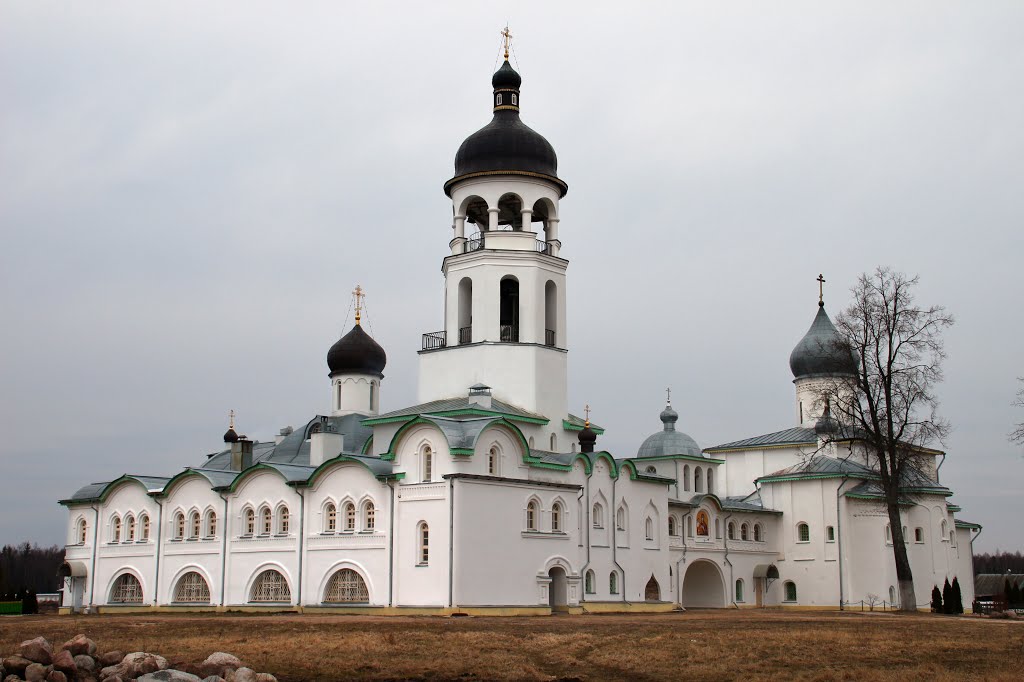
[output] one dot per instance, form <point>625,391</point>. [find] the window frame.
<point>803,533</point>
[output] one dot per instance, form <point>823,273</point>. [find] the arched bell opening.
<point>510,212</point>
<point>475,209</point>
<point>508,310</point>
<point>550,314</point>
<point>465,310</point>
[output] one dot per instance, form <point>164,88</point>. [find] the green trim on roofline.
<point>953,507</point>
<point>415,421</point>
<point>692,458</point>
<point>812,477</point>
<point>859,496</point>
<point>109,488</point>
<point>367,446</point>
<point>637,475</point>
<point>461,412</point>
<point>966,524</point>
<point>340,459</point>
<point>245,474</point>
<point>460,451</point>
<point>569,426</point>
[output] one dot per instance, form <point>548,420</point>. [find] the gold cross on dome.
<point>359,295</point>
<point>231,414</point>
<point>586,411</point>
<point>507,38</point>
<point>821,288</point>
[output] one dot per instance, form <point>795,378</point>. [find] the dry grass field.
<point>697,645</point>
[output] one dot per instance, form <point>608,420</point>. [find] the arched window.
<point>620,519</point>
<point>115,529</point>
<point>144,525</point>
<point>944,529</point>
<point>330,518</point>
<point>83,531</point>
<point>373,394</point>
<point>698,480</point>
<point>888,532</point>
<point>686,477</point>
<point>596,514</point>
<point>830,534</point>
<point>689,526</point>
<point>427,457</point>
<point>739,590</point>
<point>703,522</point>
<point>803,532</point>
<point>613,582</point>
<point>515,99</point>
<point>550,313</point>
<point>129,525</point>
<point>195,525</point>
<point>731,531</point>
<point>250,522</point>
<point>497,99</point>
<point>179,526</point>
<point>531,515</point>
<point>283,520</point>
<point>211,524</point>
<point>508,310</point>
<point>423,536</point>
<point>465,310</point>
<point>492,461</point>
<point>266,521</point>
<point>554,443</point>
<point>126,590</point>
<point>556,517</point>
<point>270,586</point>
<point>369,516</point>
<point>718,529</point>
<point>350,517</point>
<point>757,533</point>
<point>338,397</point>
<point>711,481</point>
<point>346,587</point>
<point>919,535</point>
<point>192,589</point>
<point>648,528</point>
<point>743,532</point>
<point>790,590</point>
<point>588,582</point>
<point>892,595</point>
<point>673,529</point>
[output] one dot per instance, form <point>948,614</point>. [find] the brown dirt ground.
<point>697,645</point>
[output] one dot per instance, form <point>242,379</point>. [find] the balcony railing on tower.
<point>549,337</point>
<point>479,241</point>
<point>434,340</point>
<point>465,335</point>
<point>509,333</point>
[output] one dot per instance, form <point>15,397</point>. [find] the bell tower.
<point>504,302</point>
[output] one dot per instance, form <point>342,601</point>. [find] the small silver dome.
<point>668,441</point>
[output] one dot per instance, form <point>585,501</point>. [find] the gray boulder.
<point>37,650</point>
<point>241,675</point>
<point>37,672</point>
<point>168,676</point>
<point>265,677</point>
<point>80,645</point>
<point>85,663</point>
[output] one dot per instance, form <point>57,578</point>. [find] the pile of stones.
<point>79,660</point>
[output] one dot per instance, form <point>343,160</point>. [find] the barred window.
<point>331,516</point>
<point>346,587</point>
<point>126,590</point>
<point>129,524</point>
<point>556,517</point>
<point>115,534</point>
<point>211,525</point>
<point>144,523</point>
<point>250,522</point>
<point>265,521</point>
<point>179,525</point>
<point>283,520</point>
<point>195,524</point>
<point>803,532</point>
<point>193,589</point>
<point>424,548</point>
<point>369,516</point>
<point>350,517</point>
<point>270,586</point>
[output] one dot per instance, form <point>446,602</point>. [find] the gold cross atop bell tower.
<point>821,289</point>
<point>507,38</point>
<point>359,295</point>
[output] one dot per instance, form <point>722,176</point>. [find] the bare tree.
<point>1017,436</point>
<point>891,409</point>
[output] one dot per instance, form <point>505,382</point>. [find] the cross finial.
<point>586,411</point>
<point>821,289</point>
<point>358,293</point>
<point>231,424</point>
<point>507,38</point>
<point>668,396</point>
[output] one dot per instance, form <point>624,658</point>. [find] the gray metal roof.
<point>461,434</point>
<point>563,458</point>
<point>737,504</point>
<point>668,441</point>
<point>992,584</point>
<point>577,423</point>
<point>497,407</point>
<point>94,491</point>
<point>794,436</point>
<point>88,492</point>
<point>820,465</point>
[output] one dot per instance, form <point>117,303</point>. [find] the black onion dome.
<point>506,77</point>
<point>506,145</point>
<point>587,437</point>
<point>822,351</point>
<point>356,353</point>
<point>230,436</point>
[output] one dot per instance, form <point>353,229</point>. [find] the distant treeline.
<point>30,567</point>
<point>999,562</point>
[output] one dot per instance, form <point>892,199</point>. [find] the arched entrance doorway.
<point>703,586</point>
<point>557,591</point>
<point>653,591</point>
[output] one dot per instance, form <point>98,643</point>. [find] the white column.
<point>492,218</point>
<point>551,236</point>
<point>460,234</point>
<point>527,214</point>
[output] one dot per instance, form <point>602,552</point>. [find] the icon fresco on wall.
<point>702,523</point>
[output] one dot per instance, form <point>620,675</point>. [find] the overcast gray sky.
<point>188,192</point>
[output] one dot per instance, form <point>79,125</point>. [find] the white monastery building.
<point>489,495</point>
